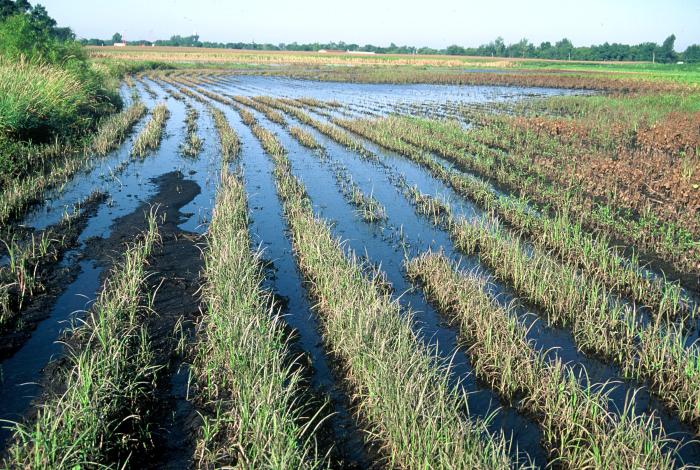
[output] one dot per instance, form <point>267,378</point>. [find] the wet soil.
<point>175,268</point>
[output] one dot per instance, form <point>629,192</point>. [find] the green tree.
<point>7,9</point>
<point>41,18</point>
<point>23,6</point>
<point>667,53</point>
<point>116,37</point>
<point>692,53</point>
<point>20,37</point>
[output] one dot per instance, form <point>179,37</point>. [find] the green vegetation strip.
<point>516,171</point>
<point>401,388</point>
<point>229,143</point>
<point>561,234</point>
<point>578,428</point>
<point>98,419</point>
<point>338,135</point>
<point>248,387</point>
<point>305,138</point>
<point>193,143</point>
<point>114,129</point>
<point>149,138</point>
<point>600,323</point>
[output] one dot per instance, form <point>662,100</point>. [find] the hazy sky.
<point>435,23</point>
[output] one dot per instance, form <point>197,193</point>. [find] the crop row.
<point>515,169</point>
<point>578,427</point>
<point>419,419</point>
<point>193,143</point>
<point>96,417</point>
<point>561,233</point>
<point>601,324</point>
<point>151,134</point>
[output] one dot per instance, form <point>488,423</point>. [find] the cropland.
<point>305,260</point>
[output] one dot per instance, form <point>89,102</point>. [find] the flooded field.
<point>401,290</point>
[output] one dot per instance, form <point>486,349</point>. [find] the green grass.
<point>305,138</point>
<point>97,418</point>
<point>577,426</point>
<point>247,385</point>
<point>41,102</point>
<point>193,143</point>
<point>114,129</point>
<point>149,138</point>
<point>229,143</point>
<point>681,73</point>
<point>20,278</point>
<point>419,421</point>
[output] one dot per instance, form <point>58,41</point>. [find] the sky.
<point>434,23</point>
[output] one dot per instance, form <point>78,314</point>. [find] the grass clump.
<point>149,138</point>
<point>305,138</point>
<point>369,208</point>
<point>96,420</point>
<point>114,129</point>
<point>229,143</point>
<point>193,143</point>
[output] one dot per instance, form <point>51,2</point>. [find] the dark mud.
<point>175,283</point>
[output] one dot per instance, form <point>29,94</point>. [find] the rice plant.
<point>601,324</point>
<point>578,428</point>
<point>366,329</point>
<point>114,129</point>
<point>305,138</point>
<point>149,138</point>
<point>96,419</point>
<point>247,384</point>
<point>193,143</point>
<point>229,143</point>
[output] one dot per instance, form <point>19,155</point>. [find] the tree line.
<point>563,49</point>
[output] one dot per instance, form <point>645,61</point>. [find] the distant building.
<point>331,51</point>
<point>120,44</point>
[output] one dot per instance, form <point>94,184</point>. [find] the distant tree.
<point>455,50</point>
<point>667,53</point>
<point>116,37</point>
<point>563,48</point>
<point>692,53</point>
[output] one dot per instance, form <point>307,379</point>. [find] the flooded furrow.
<point>268,228</point>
